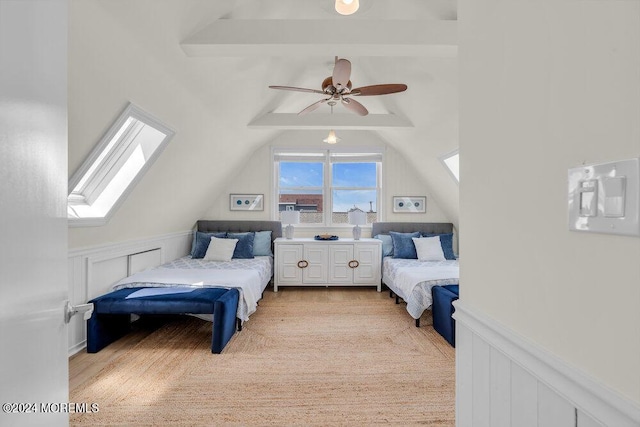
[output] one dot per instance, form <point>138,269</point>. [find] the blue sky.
<point>296,174</point>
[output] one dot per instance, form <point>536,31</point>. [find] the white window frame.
<point>105,160</point>
<point>325,156</point>
<point>443,160</point>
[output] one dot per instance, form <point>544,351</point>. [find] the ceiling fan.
<point>338,87</point>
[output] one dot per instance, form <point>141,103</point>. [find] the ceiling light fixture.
<point>347,7</point>
<point>332,138</point>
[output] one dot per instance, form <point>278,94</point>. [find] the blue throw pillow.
<point>446,241</point>
<point>262,243</point>
<point>244,247</point>
<point>403,246</point>
<point>387,244</point>
<point>201,243</point>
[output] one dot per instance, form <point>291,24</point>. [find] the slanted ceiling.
<point>204,68</point>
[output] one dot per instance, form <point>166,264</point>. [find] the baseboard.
<point>574,394</point>
<point>77,348</point>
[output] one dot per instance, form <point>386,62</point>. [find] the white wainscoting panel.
<point>500,386</point>
<point>143,260</point>
<point>93,271</point>
<point>103,272</point>
<point>524,398</point>
<point>585,420</point>
<point>481,364</point>
<point>504,380</point>
<point>464,374</point>
<point>553,410</point>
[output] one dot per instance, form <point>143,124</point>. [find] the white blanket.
<point>247,281</point>
<point>407,278</point>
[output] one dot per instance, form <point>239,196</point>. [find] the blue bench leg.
<point>103,329</point>
<point>224,320</point>
<point>442,310</point>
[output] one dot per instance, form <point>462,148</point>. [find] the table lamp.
<point>357,217</point>
<point>289,217</point>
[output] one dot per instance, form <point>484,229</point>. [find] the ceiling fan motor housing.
<point>328,87</point>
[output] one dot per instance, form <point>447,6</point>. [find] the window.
<point>452,163</point>
<point>326,181</point>
<point>119,160</point>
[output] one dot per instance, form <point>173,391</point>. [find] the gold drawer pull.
<point>303,264</point>
<point>353,264</point>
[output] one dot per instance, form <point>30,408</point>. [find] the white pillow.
<point>220,249</point>
<point>428,248</point>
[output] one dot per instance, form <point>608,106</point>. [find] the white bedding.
<point>412,280</point>
<point>249,276</point>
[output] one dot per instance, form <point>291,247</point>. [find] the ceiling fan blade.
<point>312,107</point>
<point>341,73</point>
<point>355,106</point>
<point>378,89</point>
<point>297,89</point>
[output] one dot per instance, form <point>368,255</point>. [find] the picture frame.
<point>246,202</point>
<point>409,204</point>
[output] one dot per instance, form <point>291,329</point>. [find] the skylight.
<point>452,162</point>
<point>119,160</point>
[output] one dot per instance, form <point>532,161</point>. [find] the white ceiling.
<point>227,53</point>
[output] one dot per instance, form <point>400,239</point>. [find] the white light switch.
<point>589,197</point>
<point>613,189</point>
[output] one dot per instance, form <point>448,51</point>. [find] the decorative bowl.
<point>326,237</point>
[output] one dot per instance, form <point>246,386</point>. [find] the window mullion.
<point>327,196</point>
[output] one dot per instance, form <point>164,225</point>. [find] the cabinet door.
<point>339,270</point>
<point>317,256</point>
<point>368,257</point>
<point>287,258</point>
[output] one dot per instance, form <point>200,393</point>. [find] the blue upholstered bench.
<point>111,314</point>
<point>442,309</point>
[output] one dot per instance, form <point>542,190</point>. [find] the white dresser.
<point>343,262</point>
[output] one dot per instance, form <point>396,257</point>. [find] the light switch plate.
<point>605,198</point>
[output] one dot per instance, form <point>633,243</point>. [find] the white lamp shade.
<point>357,217</point>
<point>290,217</point>
<point>347,7</point>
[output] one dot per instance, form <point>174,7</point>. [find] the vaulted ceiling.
<point>217,58</point>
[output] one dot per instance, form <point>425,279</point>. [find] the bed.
<point>411,279</point>
<point>170,287</point>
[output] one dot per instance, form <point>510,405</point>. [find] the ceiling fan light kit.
<point>332,138</point>
<point>338,88</point>
<point>347,7</point>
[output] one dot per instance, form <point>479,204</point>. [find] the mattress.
<point>249,276</point>
<point>412,280</point>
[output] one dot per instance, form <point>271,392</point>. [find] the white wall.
<point>111,65</point>
<point>256,176</point>
<point>546,86</point>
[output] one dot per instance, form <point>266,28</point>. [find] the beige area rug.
<point>307,357</point>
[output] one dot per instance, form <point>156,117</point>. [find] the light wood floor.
<point>83,366</point>
<point>309,356</point>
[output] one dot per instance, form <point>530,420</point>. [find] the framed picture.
<point>409,204</point>
<point>246,202</point>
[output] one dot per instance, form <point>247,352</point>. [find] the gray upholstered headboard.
<point>408,227</point>
<point>212,226</point>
